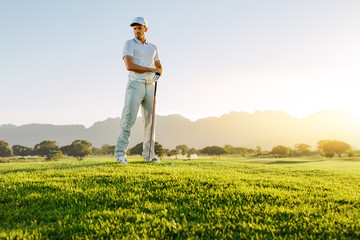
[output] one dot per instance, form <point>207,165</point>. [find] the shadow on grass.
<point>62,166</point>
<point>66,165</point>
<point>347,159</point>
<point>293,162</point>
<point>284,161</point>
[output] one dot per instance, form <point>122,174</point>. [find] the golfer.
<point>142,61</point>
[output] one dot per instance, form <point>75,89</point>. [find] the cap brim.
<point>133,24</point>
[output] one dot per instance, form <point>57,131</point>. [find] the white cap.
<point>139,20</point>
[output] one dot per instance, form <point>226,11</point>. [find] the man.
<point>142,61</point>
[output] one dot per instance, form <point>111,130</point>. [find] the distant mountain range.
<point>265,129</point>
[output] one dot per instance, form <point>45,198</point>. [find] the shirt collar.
<point>137,40</point>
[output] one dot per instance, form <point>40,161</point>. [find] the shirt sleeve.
<point>157,57</point>
<point>128,50</point>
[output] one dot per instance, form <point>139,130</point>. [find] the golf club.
<point>156,77</point>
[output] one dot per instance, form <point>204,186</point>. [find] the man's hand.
<point>157,70</point>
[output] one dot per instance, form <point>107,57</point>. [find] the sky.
<point>61,61</point>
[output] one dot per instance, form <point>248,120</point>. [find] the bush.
<point>138,149</point>
<point>5,150</point>
<point>329,154</point>
<point>213,150</point>
<point>53,155</point>
<point>280,151</point>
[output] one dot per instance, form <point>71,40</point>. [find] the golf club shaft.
<point>152,120</point>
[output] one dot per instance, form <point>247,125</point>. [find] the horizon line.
<point>192,119</point>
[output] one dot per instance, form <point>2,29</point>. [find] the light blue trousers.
<point>137,93</point>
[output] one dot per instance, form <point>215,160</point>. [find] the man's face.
<point>139,31</point>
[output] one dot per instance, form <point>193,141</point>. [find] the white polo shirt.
<point>144,54</point>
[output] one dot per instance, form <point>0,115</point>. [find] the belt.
<point>141,80</point>
<point>138,80</point>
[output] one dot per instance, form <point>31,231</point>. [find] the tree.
<point>230,149</point>
<point>107,149</point>
<point>292,152</point>
<point>321,144</point>
<point>183,149</point>
<point>137,149</point>
<point>302,146</point>
<point>66,150</point>
<point>193,151</point>
<point>305,152</point>
<point>48,149</point>
<point>158,148</point>
<point>280,151</point>
<point>111,150</point>
<point>80,149</point>
<point>166,151</point>
<point>336,146</point>
<point>5,150</point>
<point>258,150</point>
<point>213,150</point>
<point>53,155</point>
<point>173,152</point>
<point>238,150</point>
<point>19,150</point>
<point>303,149</point>
<point>95,151</point>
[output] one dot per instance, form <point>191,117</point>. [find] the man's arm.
<point>158,66</point>
<point>131,66</point>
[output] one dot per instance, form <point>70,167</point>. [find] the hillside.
<point>264,129</point>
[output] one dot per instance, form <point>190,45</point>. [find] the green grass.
<point>234,197</point>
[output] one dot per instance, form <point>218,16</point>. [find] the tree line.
<point>326,148</point>
<point>81,148</point>
<point>48,149</point>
